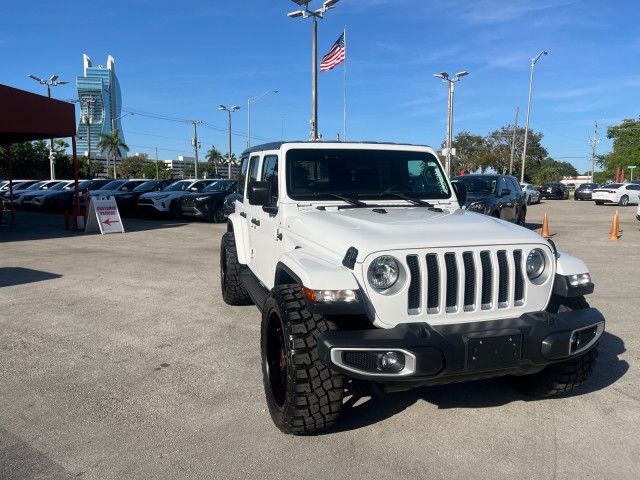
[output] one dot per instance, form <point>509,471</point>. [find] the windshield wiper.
<point>351,201</point>
<point>415,201</point>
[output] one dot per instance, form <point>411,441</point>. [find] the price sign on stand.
<point>103,216</point>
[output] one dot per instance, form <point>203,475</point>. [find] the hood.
<point>103,192</point>
<point>163,194</point>
<point>404,228</point>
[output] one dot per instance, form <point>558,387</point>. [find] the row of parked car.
<point>204,199</point>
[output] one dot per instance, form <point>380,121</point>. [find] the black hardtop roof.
<point>277,145</point>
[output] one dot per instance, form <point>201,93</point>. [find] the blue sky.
<point>181,59</point>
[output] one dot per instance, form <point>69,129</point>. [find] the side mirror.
<point>193,189</point>
<point>259,193</point>
<point>460,190</point>
<point>505,192</point>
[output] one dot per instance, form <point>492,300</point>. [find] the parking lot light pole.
<point>314,15</point>
<point>534,60</point>
<point>229,112</point>
<point>50,82</point>
<point>444,76</point>
<point>251,101</point>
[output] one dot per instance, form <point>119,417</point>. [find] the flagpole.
<point>344,133</point>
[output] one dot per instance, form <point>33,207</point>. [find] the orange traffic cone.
<point>545,226</point>
<point>615,227</point>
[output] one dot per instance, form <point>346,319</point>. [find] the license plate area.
<point>494,352</point>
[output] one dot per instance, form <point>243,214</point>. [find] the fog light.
<point>391,362</point>
<point>580,279</point>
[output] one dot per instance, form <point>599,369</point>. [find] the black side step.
<point>256,291</point>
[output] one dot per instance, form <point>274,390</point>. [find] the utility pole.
<point>196,146</point>
<point>513,141</point>
<point>157,171</point>
<point>594,141</point>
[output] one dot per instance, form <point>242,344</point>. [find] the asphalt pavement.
<point>119,360</point>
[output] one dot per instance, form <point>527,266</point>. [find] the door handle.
<point>255,221</point>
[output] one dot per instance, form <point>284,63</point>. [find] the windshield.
<point>178,186</point>
<point>322,173</point>
<point>219,186</point>
<point>58,186</point>
<point>129,186</point>
<point>81,185</point>
<point>478,185</point>
<point>35,186</point>
<point>149,185</point>
<point>587,185</point>
<point>113,185</point>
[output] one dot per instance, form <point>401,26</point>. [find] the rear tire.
<point>563,377</point>
<point>233,290</point>
<point>303,395</point>
<point>624,201</point>
<point>217,215</point>
<point>599,202</point>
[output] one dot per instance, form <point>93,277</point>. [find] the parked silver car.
<point>531,193</point>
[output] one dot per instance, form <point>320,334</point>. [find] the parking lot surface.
<point>118,360</point>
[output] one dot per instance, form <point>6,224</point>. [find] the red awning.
<point>27,116</point>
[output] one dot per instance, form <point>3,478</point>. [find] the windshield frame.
<point>419,153</point>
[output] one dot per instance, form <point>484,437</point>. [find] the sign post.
<point>103,216</point>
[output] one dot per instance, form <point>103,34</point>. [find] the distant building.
<point>100,104</point>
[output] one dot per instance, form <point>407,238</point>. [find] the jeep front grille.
<point>495,278</point>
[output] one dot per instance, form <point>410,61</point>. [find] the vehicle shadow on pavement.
<point>10,276</point>
<point>19,460</point>
<point>364,409</point>
<point>42,226</point>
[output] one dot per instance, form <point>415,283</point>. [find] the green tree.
<point>471,150</point>
<point>626,147</point>
<point>112,145</point>
<point>25,160</point>
<point>132,167</point>
<point>498,153</point>
<point>159,169</point>
<point>549,170</point>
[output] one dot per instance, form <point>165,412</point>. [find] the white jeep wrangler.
<point>365,268</point>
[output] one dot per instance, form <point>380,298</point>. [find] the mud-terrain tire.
<point>233,290</point>
<point>564,377</point>
<point>303,395</point>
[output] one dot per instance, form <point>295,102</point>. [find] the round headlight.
<point>535,263</point>
<point>383,272</point>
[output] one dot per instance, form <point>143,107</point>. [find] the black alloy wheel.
<point>276,360</point>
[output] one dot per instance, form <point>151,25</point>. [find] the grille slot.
<point>519,278</point>
<point>452,281</point>
<point>487,279</point>
<point>469,281</point>
<point>413,303</point>
<point>361,360</point>
<point>503,279</point>
<point>433,283</point>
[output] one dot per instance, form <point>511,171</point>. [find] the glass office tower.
<point>100,104</point>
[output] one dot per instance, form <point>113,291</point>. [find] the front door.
<point>265,231</point>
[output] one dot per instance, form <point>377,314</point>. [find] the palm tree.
<point>113,146</point>
<point>214,157</point>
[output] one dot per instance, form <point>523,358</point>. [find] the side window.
<point>270,174</point>
<point>515,187</point>
<point>200,186</point>
<point>252,170</point>
<point>501,185</point>
<point>244,166</point>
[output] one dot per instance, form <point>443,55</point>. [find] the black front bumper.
<point>459,352</point>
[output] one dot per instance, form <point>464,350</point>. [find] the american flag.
<point>335,56</point>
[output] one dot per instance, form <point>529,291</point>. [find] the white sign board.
<point>103,216</point>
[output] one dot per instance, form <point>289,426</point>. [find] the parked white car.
<point>621,193</point>
<point>531,193</point>
<point>166,201</point>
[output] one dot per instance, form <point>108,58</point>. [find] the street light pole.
<point>251,101</point>
<point>534,60</point>
<point>315,15</point>
<point>50,82</point>
<point>229,112</point>
<point>444,76</point>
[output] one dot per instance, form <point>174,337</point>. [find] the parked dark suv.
<point>584,191</point>
<point>556,191</point>
<point>209,203</point>
<point>498,196</point>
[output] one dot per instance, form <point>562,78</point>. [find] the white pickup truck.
<point>365,267</point>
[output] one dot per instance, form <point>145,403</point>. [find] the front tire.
<point>303,395</point>
<point>233,290</point>
<point>599,202</point>
<point>624,201</point>
<point>563,377</point>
